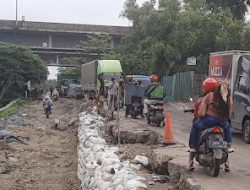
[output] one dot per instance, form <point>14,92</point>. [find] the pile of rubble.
<point>99,166</point>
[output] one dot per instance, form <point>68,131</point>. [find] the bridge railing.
<point>61,27</point>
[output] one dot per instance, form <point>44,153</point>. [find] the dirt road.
<point>237,179</point>
<point>49,160</point>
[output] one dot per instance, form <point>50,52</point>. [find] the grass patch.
<point>12,109</point>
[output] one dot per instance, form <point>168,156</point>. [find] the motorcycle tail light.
<point>217,130</point>
<point>160,108</point>
<point>136,98</point>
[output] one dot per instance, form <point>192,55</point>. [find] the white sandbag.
<point>134,184</point>
<point>119,187</point>
<point>103,185</point>
<point>106,176</point>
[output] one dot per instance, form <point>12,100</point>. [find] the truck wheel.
<point>215,168</point>
<point>246,131</point>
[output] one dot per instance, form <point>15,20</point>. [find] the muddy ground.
<point>49,159</point>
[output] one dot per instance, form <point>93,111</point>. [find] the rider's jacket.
<point>207,106</point>
<point>196,108</point>
<point>155,91</point>
<point>47,103</point>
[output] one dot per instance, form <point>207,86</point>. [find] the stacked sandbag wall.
<point>98,166</point>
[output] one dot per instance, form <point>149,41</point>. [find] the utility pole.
<point>16,14</point>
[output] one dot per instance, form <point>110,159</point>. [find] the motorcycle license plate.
<point>217,144</point>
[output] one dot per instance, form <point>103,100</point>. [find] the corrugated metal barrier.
<point>183,85</point>
<point>168,85</point>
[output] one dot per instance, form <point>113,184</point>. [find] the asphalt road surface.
<point>237,179</point>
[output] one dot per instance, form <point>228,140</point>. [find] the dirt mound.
<point>70,109</point>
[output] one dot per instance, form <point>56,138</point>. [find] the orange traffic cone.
<point>168,134</point>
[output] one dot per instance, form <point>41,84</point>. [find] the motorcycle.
<point>156,113</point>
<point>55,97</point>
<point>212,150</point>
<point>136,107</point>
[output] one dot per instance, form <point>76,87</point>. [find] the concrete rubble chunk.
<point>177,168</point>
<point>12,159</point>
<point>73,121</point>
<point>141,160</point>
<point>160,178</point>
<point>24,114</point>
<point>171,161</point>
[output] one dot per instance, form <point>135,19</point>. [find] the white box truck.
<point>234,66</point>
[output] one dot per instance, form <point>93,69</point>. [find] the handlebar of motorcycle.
<point>190,110</point>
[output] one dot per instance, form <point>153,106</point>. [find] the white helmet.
<point>46,97</point>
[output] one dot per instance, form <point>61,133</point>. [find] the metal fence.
<point>181,86</point>
<point>169,88</point>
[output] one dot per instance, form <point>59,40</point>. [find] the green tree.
<point>19,65</point>
<point>98,43</point>
<point>164,37</point>
<point>74,61</point>
<point>69,70</point>
<point>238,8</point>
<point>153,41</point>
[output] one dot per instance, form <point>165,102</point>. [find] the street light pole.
<point>16,13</point>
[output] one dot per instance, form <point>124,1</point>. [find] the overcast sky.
<point>104,12</point>
<point>101,12</point>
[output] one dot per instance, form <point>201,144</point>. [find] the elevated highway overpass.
<point>55,41</point>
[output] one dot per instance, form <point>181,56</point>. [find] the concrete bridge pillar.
<point>112,43</point>
<point>50,41</point>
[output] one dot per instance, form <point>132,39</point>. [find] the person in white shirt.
<point>113,90</point>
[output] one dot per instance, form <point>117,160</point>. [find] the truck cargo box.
<point>224,65</point>
<point>89,75</point>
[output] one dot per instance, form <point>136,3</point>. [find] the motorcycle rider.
<point>55,93</point>
<point>215,109</point>
<point>47,103</point>
<point>154,93</point>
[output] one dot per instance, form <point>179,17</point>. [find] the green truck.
<point>67,82</point>
<point>90,71</point>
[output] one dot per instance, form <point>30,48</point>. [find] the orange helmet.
<point>154,78</point>
<point>209,85</point>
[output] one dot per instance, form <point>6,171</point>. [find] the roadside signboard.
<point>191,61</point>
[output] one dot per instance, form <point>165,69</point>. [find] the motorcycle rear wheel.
<point>47,114</point>
<point>214,170</point>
